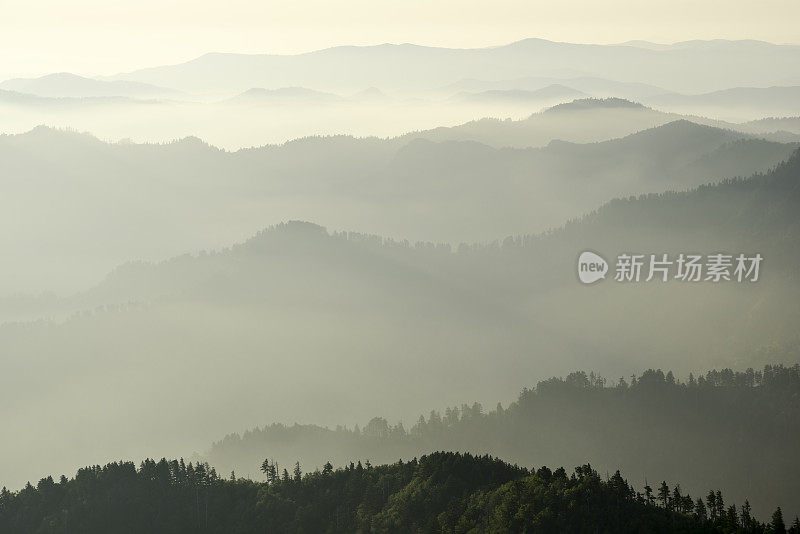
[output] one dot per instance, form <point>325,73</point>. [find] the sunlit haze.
<point>399,266</point>
<point>102,37</point>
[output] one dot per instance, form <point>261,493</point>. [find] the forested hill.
<point>442,492</point>
<point>589,120</point>
<point>415,327</point>
<point>761,210</point>
<point>456,190</point>
<point>736,430</point>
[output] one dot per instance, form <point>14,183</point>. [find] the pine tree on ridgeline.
<point>777,524</point>
<point>711,502</point>
<point>663,494</point>
<point>298,473</point>
<point>440,492</point>
<point>700,510</point>
<point>677,499</point>
<point>746,515</point>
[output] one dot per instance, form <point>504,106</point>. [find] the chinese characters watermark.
<point>631,267</point>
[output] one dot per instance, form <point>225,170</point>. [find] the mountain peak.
<point>290,228</point>
<point>596,103</point>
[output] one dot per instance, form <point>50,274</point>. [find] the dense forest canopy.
<point>403,327</point>
<point>458,188</point>
<point>409,261</point>
<point>737,430</point>
<point>440,492</point>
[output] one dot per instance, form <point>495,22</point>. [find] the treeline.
<point>731,429</point>
<point>441,492</point>
<point>775,192</point>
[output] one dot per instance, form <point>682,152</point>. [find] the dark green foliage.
<point>441,492</point>
<point>164,496</point>
<point>777,525</point>
<point>647,425</point>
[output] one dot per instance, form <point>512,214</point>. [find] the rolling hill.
<point>597,87</point>
<point>590,120</point>
<point>535,97</point>
<point>66,85</point>
<point>438,492</point>
<point>413,326</point>
<point>117,201</point>
<point>756,102</point>
<point>282,95</point>
<point>650,424</point>
<point>412,67</point>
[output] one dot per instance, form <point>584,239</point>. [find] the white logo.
<point>591,267</point>
<point>631,267</point>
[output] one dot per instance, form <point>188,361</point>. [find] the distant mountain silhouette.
<point>646,44</point>
<point>776,124</point>
<point>589,120</point>
<point>549,93</point>
<point>284,94</point>
<point>458,190</point>
<point>682,67</point>
<point>370,93</point>
<point>597,87</point>
<point>596,103</point>
<point>780,101</point>
<point>65,84</point>
<point>412,325</point>
<point>25,100</point>
<point>586,415</point>
<point>17,98</point>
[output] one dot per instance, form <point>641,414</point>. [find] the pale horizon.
<point>109,73</point>
<point>92,38</point>
<point>469,245</point>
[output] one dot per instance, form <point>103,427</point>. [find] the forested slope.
<point>736,430</point>
<point>442,492</point>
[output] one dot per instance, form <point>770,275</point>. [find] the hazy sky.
<point>108,36</point>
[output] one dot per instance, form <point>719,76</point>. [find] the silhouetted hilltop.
<point>652,423</point>
<point>65,84</point>
<point>596,103</point>
<point>443,491</point>
<point>598,87</point>
<point>283,94</point>
<point>370,94</point>
<point>549,93</point>
<point>589,120</point>
<point>406,66</point>
<point>279,316</point>
<point>760,210</point>
<point>760,101</point>
<point>25,100</point>
<point>15,97</point>
<point>458,191</point>
<point>790,124</point>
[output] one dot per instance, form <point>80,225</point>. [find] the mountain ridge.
<point>446,65</point>
<point>65,84</point>
<point>275,319</point>
<point>454,188</point>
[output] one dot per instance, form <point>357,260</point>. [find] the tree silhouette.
<point>663,494</point>
<point>777,524</point>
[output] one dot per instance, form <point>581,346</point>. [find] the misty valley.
<point>378,289</point>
